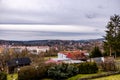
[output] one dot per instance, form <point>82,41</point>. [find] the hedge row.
<point>33,72</point>
<point>87,68</point>
<point>56,71</point>
<point>62,71</point>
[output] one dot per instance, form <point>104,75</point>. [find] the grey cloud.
<point>65,12</point>
<point>90,16</point>
<point>32,35</point>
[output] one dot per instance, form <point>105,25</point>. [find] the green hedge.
<point>56,71</point>
<point>62,71</point>
<point>27,73</point>
<point>87,68</point>
<point>3,76</point>
<point>34,72</point>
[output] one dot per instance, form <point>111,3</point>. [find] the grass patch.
<point>12,76</point>
<point>76,77</point>
<point>47,58</point>
<point>113,77</point>
<point>47,79</point>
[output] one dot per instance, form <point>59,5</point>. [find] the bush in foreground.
<point>34,72</point>
<point>62,71</point>
<point>87,68</point>
<point>27,73</point>
<point>3,76</point>
<point>56,71</point>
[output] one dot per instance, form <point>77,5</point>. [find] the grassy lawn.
<point>47,58</point>
<point>76,77</point>
<point>113,77</point>
<point>47,79</point>
<point>12,77</point>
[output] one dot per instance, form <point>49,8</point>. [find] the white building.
<point>64,56</point>
<point>37,49</point>
<point>31,49</point>
<point>61,55</point>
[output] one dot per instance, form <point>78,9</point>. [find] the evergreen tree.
<point>96,52</point>
<point>112,38</point>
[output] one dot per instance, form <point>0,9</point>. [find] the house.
<point>37,49</point>
<point>77,56</point>
<point>74,55</point>
<point>16,63</point>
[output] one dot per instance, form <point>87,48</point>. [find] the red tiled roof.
<point>74,54</point>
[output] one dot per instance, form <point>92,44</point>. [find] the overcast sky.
<point>55,19</point>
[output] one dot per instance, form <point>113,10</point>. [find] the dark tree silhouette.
<point>112,38</point>
<point>96,52</point>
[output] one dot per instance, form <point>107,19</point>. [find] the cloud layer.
<point>41,35</point>
<point>64,32</point>
<point>52,16</point>
<point>78,12</point>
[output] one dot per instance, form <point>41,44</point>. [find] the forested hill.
<point>45,42</point>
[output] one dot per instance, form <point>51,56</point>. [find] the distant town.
<point>45,45</point>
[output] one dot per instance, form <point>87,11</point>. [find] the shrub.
<point>87,68</point>
<point>3,76</point>
<point>55,71</point>
<point>27,73</point>
<point>62,71</point>
<point>72,70</point>
<point>34,73</point>
<point>42,70</point>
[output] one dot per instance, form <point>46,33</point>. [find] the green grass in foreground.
<point>12,77</point>
<point>76,77</point>
<point>113,77</point>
